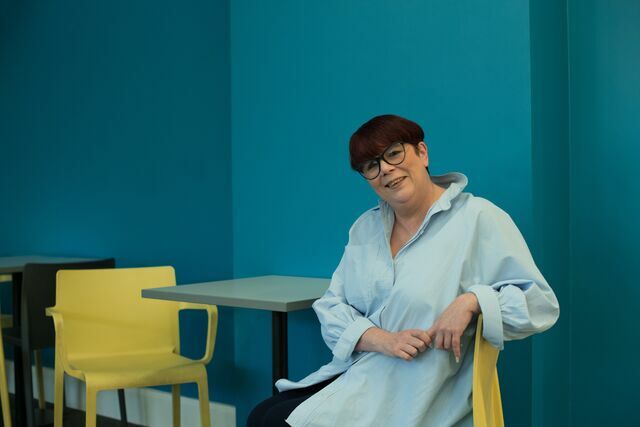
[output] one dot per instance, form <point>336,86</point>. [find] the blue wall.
<point>305,75</point>
<point>114,125</point>
<point>213,136</point>
<point>550,241</point>
<point>604,53</point>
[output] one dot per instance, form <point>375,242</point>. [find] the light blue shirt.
<point>465,244</point>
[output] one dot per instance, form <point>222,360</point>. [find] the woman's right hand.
<point>405,344</point>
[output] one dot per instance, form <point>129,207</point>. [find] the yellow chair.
<point>6,322</point>
<point>108,336</point>
<point>487,405</point>
<point>4,391</point>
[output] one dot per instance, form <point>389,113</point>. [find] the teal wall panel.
<point>551,351</point>
<point>115,135</point>
<point>604,55</point>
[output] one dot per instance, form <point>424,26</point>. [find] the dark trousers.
<point>273,411</point>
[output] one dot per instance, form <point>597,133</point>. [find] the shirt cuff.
<point>491,314</point>
<point>349,338</point>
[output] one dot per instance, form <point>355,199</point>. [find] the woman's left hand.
<point>446,332</point>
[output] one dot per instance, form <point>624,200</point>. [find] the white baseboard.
<point>145,406</point>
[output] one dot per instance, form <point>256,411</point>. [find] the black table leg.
<point>123,408</point>
<point>279,344</point>
<point>21,412</point>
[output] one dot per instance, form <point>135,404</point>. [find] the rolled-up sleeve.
<point>515,299</point>
<point>341,324</point>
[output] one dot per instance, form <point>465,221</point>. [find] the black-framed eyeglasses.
<point>393,155</point>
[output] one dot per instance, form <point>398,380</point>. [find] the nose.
<point>386,168</point>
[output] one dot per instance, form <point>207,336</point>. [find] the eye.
<point>369,166</point>
<point>396,152</point>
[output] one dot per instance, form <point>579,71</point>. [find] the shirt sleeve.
<point>515,299</point>
<point>341,324</point>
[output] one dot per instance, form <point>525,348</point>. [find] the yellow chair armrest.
<point>212,329</point>
<point>60,350</point>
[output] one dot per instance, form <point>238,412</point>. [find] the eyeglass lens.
<point>393,155</point>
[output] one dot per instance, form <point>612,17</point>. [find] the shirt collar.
<point>454,182</point>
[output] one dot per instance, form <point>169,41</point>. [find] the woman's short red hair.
<point>373,137</point>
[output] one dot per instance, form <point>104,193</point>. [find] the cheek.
<point>378,189</point>
<point>419,172</point>
<point>375,184</point>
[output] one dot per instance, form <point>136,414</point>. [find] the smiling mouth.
<point>393,184</point>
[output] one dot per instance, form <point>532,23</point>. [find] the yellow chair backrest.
<point>487,404</point>
<point>105,314</point>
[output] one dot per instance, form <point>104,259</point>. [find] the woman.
<point>398,313</point>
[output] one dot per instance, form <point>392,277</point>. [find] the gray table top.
<point>15,264</point>
<point>274,293</point>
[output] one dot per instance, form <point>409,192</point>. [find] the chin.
<point>398,199</point>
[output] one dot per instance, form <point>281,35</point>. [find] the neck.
<point>411,215</point>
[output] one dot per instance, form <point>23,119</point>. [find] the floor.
<point>72,418</point>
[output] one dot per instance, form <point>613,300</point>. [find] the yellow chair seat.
<point>135,370</point>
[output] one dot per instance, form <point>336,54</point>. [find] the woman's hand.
<point>404,344</point>
<point>446,332</point>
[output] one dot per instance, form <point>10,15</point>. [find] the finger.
<point>418,344</point>
<point>430,341</point>
<point>447,340</point>
<point>431,332</point>
<point>456,347</point>
<point>410,350</point>
<point>404,355</point>
<point>424,337</point>
<point>438,342</point>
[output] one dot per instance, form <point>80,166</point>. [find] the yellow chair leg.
<point>175,400</point>
<point>4,394</point>
<point>92,396</point>
<point>58,393</point>
<point>203,397</point>
<point>39,379</point>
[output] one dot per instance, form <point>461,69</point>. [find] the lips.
<point>394,183</point>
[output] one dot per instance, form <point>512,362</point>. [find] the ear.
<point>423,153</point>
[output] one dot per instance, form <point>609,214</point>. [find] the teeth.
<point>394,182</point>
